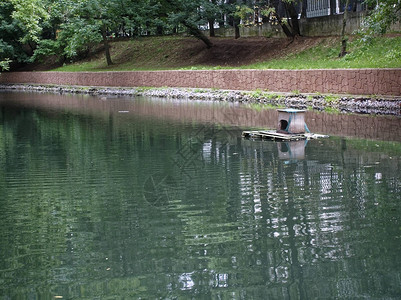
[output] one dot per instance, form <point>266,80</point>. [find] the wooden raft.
<point>273,135</point>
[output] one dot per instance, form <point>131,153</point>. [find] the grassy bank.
<point>378,52</point>
<point>174,52</point>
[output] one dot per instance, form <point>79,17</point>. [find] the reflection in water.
<point>291,151</point>
<point>360,126</point>
<point>100,204</point>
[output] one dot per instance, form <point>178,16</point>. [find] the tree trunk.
<point>294,19</point>
<point>211,28</point>
<point>291,29</point>
<point>106,46</point>
<point>284,27</point>
<point>159,30</point>
<point>287,31</point>
<point>343,51</point>
<point>192,28</point>
<point>236,28</point>
<point>196,32</point>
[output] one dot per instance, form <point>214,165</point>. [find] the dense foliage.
<point>384,14</point>
<point>13,34</point>
<point>35,29</point>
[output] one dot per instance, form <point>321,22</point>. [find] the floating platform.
<point>277,136</point>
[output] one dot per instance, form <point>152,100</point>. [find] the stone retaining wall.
<point>337,81</point>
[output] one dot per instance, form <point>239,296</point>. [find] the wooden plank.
<point>273,135</point>
<point>282,135</point>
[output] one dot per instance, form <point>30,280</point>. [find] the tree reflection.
<point>247,223</point>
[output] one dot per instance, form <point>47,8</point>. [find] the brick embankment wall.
<point>337,81</point>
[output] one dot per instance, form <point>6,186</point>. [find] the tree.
<point>187,13</point>
<point>5,64</point>
<point>343,51</point>
<point>289,23</point>
<point>80,24</point>
<point>279,12</point>
<point>242,12</point>
<point>384,14</point>
<point>87,23</point>
<point>236,10</point>
<point>8,28</point>
<point>29,13</point>
<point>20,24</point>
<point>210,11</point>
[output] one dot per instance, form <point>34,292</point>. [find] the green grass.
<point>378,52</point>
<point>332,110</point>
<point>259,106</point>
<point>81,67</point>
<point>166,53</point>
<point>331,98</point>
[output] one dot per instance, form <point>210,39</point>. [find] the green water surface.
<point>104,203</point>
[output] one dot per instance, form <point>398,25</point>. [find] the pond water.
<point>144,198</point>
